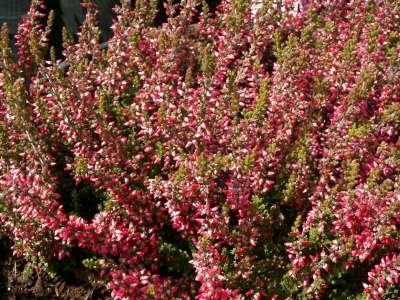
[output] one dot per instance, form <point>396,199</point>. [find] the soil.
<point>15,284</point>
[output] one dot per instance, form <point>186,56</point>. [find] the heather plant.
<point>225,154</point>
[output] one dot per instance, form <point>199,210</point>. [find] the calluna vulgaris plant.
<point>219,156</point>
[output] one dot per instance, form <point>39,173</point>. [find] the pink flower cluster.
<point>234,156</point>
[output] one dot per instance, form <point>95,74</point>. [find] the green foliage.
<point>351,173</point>
<point>208,61</point>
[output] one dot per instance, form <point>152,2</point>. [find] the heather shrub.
<point>221,155</point>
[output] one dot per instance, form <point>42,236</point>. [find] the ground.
<point>19,285</point>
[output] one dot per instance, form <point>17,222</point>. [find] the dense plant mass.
<point>222,155</point>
